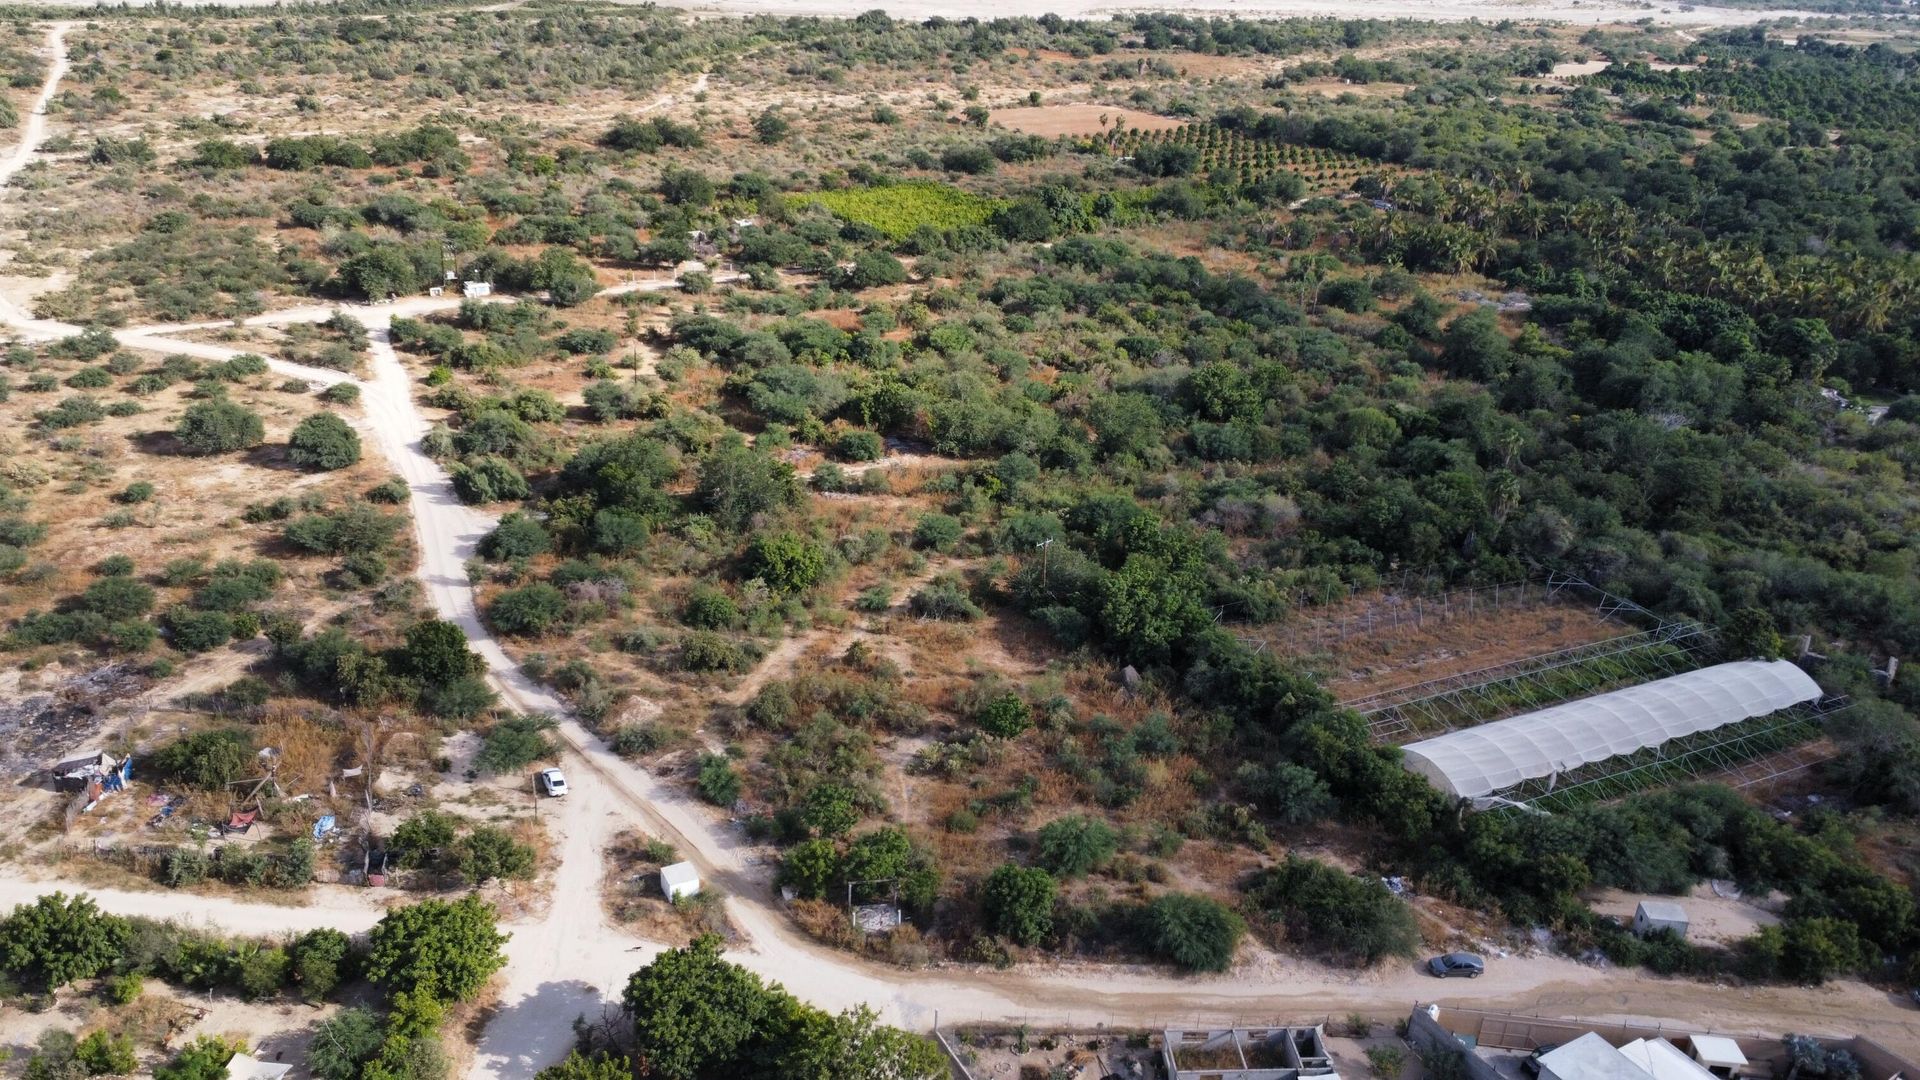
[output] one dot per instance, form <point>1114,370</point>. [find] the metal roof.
<point>1662,911</point>
<point>1717,1050</point>
<point>1480,760</point>
<point>1590,1057</point>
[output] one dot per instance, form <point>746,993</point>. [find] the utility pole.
<point>1043,546</point>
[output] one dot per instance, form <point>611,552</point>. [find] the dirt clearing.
<point>1051,120</point>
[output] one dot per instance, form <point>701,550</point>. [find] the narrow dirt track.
<point>571,961</point>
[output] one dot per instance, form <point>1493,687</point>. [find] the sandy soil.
<point>1051,120</point>
<point>1710,917</point>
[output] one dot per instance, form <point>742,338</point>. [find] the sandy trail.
<point>572,961</point>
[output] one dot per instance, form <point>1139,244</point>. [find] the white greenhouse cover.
<point>1481,760</point>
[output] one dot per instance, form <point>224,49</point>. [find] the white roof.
<point>680,873</point>
<point>248,1067</point>
<point>1664,1060</point>
<point>1717,1050</point>
<point>1662,911</point>
<point>1481,760</point>
<point>1590,1057</point>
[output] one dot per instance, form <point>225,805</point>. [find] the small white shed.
<point>679,880</point>
<point>1654,915</point>
<point>1719,1055</point>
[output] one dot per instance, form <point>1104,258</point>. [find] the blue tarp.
<point>322,827</point>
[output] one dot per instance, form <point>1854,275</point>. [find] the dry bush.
<point>309,752</point>
<point>825,922</point>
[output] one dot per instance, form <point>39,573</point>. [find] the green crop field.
<point>898,209</point>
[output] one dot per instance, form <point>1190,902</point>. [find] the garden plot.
<point>1378,641</point>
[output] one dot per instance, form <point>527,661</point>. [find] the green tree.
<point>445,950</point>
<point>382,270</point>
<point>217,427</point>
<point>1334,913</point>
<point>514,743</point>
<point>1195,932</point>
<point>1076,845</point>
<point>323,441</point>
<point>1005,716</point>
<point>518,536</point>
<point>770,127</point>
<point>854,1045</point>
<point>1818,949</point>
<point>811,867</point>
<point>423,838</point>
<point>830,809</point>
<point>941,532</point>
<point>580,1067</point>
<point>736,483</point>
<point>567,279</point>
<point>205,1058</point>
<point>118,598</point>
<point>787,562</point>
<point>1750,632</point>
<point>344,1042</point>
<point>717,781</point>
<point>489,852</point>
<point>695,1014</point>
<point>1147,607</point>
<point>208,760</point>
<point>322,959</point>
<point>1016,902</point>
<point>686,187</point>
<point>103,1054</point>
<point>528,611</point>
<point>437,653</point>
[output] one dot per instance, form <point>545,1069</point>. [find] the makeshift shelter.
<point>81,769</point>
<point>679,879</point>
<point>1654,915</point>
<point>1492,757</point>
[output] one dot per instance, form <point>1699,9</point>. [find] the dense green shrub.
<point>515,742</point>
<point>217,427</point>
<point>1197,933</point>
<point>529,611</point>
<point>1333,913</point>
<point>1017,903</point>
<point>323,441</point>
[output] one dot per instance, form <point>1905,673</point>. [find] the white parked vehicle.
<point>553,782</point>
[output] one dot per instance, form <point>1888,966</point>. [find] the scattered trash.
<point>1397,886</point>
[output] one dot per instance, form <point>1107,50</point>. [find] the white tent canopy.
<point>1492,757</point>
<point>248,1067</point>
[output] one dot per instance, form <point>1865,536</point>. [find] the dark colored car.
<point>1532,1062</point>
<point>1456,965</point>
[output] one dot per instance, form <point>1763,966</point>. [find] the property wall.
<point>1508,1031</point>
<point>1430,1035</point>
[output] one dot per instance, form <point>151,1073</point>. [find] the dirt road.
<point>571,961</point>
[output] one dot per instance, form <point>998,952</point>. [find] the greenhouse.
<point>1493,757</point>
